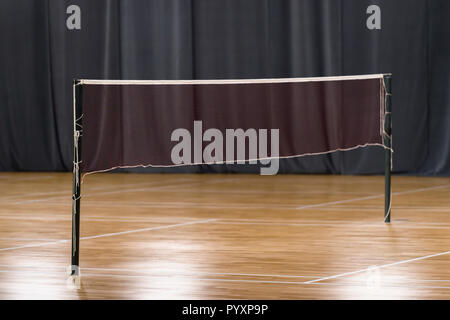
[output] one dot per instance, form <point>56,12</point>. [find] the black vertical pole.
<point>388,144</point>
<point>76,196</point>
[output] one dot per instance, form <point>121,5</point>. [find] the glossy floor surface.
<point>199,236</point>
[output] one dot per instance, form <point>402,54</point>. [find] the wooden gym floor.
<point>169,236</point>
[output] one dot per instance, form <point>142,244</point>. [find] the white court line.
<point>87,218</point>
<point>148,229</point>
<point>323,204</point>
<point>161,277</point>
<point>346,222</point>
<point>382,286</point>
<point>153,204</point>
<point>31,217</point>
<point>257,192</point>
<point>379,267</point>
<point>89,189</point>
<point>258,281</point>
<point>173,204</point>
<point>208,273</point>
<point>31,245</point>
<point>261,281</point>
<point>332,225</point>
<point>158,272</point>
<point>93,202</point>
<point>26,239</point>
<point>252,206</point>
<point>190,278</point>
<point>151,187</point>
<point>178,277</point>
<point>109,234</point>
<point>234,206</point>
<point>113,191</point>
<point>397,209</point>
<point>68,191</point>
<point>170,219</point>
<point>15,178</point>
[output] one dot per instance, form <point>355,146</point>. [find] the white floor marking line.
<point>378,267</point>
<point>156,272</point>
<point>206,273</point>
<point>258,192</point>
<point>31,245</point>
<point>109,190</point>
<point>44,218</point>
<point>87,218</point>
<point>26,239</point>
<point>369,209</point>
<point>207,206</point>
<point>14,197</point>
<point>190,278</point>
<point>257,281</point>
<point>334,223</point>
<point>68,192</point>
<point>164,273</point>
<point>14,179</point>
<point>352,225</point>
<point>384,285</point>
<point>147,229</point>
<point>151,187</point>
<point>149,204</point>
<point>173,204</point>
<point>323,204</point>
<point>350,222</point>
<point>159,277</point>
<point>422,189</point>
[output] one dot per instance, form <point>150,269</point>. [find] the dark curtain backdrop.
<point>211,39</point>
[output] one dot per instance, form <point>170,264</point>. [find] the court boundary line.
<point>398,193</point>
<point>151,187</point>
<point>384,285</point>
<point>162,273</point>
<point>157,272</point>
<point>378,267</point>
<point>370,225</point>
<point>249,206</point>
<point>27,239</point>
<point>31,245</point>
<point>109,190</point>
<point>26,216</point>
<point>225,221</point>
<point>61,193</point>
<point>263,281</point>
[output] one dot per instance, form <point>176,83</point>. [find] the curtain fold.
<point>215,39</point>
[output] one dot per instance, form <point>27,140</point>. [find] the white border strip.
<point>229,81</point>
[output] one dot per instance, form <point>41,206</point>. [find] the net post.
<point>76,195</point>
<point>387,137</point>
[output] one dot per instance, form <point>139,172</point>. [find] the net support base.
<point>74,280</point>
<point>74,271</point>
